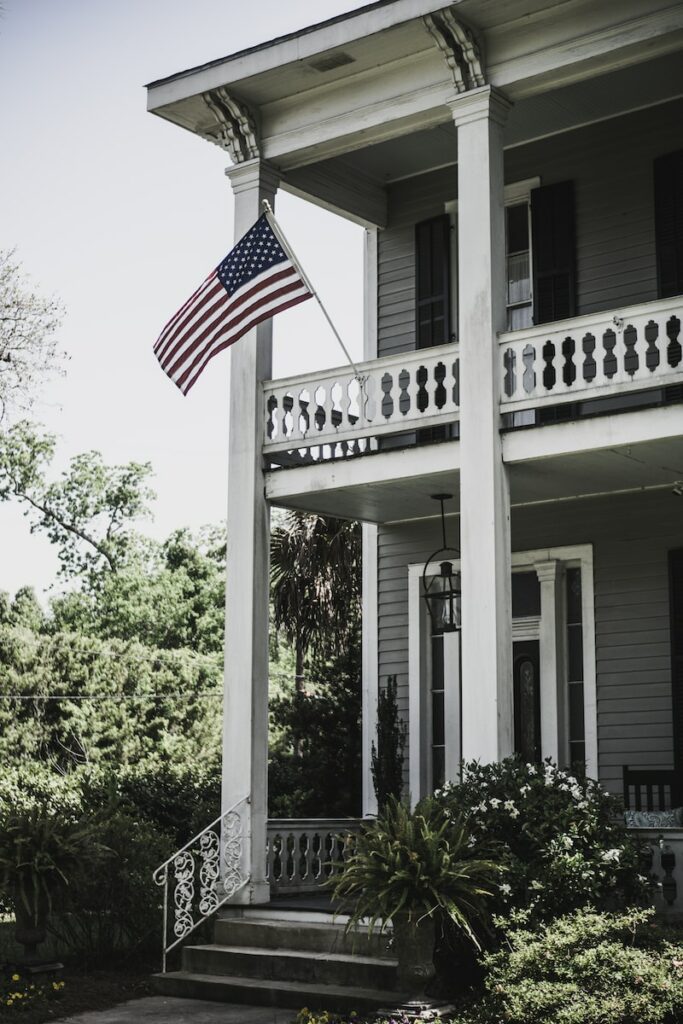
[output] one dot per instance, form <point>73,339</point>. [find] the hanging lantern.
<point>441,590</point>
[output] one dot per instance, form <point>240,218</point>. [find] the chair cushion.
<point>655,819</point>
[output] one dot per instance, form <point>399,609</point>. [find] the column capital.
<point>253,174</point>
<point>478,104</point>
<point>547,572</point>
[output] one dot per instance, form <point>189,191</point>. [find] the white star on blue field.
<point>256,252</point>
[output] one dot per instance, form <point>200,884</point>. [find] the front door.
<point>527,696</point>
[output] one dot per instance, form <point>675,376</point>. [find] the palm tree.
<point>315,583</point>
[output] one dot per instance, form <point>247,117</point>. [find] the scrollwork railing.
<point>201,876</point>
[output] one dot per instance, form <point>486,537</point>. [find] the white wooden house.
<point>518,168</point>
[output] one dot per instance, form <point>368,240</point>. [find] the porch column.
<point>245,709</point>
<point>487,709</point>
<point>552,710</point>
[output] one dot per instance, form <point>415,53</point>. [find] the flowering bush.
<point>307,1016</point>
<point>584,968</point>
<point>19,991</point>
<point>557,836</point>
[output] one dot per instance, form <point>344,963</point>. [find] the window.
<point>668,172</point>
<point>577,731</point>
<point>518,267</point>
<point>553,246</point>
<point>432,281</point>
<point>438,737</point>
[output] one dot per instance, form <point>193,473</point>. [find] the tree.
<point>315,584</point>
<point>315,757</point>
<point>28,345</point>
<point>88,513</point>
<point>169,596</point>
<point>387,756</point>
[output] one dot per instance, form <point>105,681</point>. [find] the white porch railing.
<point>302,854</point>
<point>332,413</point>
<point>666,868</point>
<point>595,356</point>
<point>202,876</point>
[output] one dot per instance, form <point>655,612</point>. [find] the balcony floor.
<point>602,455</point>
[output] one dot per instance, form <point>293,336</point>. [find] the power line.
<point>186,694</point>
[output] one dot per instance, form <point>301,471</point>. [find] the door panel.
<point>527,698</point>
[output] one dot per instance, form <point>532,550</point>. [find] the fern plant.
<point>411,865</point>
<point>39,853</point>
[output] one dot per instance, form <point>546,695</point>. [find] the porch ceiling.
<point>535,117</point>
<point>381,488</point>
<point>656,463</point>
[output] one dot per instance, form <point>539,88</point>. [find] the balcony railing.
<point>333,413</point>
<point>302,854</point>
<point>597,356</point>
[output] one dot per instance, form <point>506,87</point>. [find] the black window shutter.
<point>669,223</point>
<point>553,252</point>
<point>676,593</point>
<point>432,281</point>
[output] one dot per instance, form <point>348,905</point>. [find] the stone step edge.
<point>335,925</point>
<point>294,988</point>
<point>308,917</point>
<point>297,954</point>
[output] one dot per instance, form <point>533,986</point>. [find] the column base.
<point>251,894</point>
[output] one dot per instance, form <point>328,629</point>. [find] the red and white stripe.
<point>211,320</point>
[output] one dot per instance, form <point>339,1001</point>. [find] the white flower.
<point>505,889</point>
<point>531,769</point>
<point>524,790</point>
<point>495,802</point>
<point>611,855</point>
<point>481,808</point>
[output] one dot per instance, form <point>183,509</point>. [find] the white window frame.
<point>581,555</point>
<point>514,194</point>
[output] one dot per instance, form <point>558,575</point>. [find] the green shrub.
<point>415,863</point>
<point>114,911</point>
<point>176,800</point>
<point>584,968</point>
<point>557,836</point>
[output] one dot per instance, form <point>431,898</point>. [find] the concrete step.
<point>281,933</point>
<point>291,965</point>
<point>290,994</point>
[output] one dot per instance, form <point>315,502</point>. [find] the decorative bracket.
<point>460,47</point>
<point>237,132</point>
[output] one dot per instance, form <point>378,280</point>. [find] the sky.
<point>121,215</point>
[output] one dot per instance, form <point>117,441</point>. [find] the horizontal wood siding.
<point>631,536</point>
<point>409,203</point>
<point>611,165</point>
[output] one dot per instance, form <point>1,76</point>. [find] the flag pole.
<point>277,231</point>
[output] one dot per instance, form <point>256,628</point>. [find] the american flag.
<point>256,280</point>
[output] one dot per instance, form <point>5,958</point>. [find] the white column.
<point>370,665</point>
<point>245,714</point>
<point>484,498</point>
<point>552,706</point>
